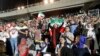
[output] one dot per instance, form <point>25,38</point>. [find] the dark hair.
<point>62,36</point>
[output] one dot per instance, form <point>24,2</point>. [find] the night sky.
<point>10,4</point>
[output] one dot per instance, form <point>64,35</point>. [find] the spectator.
<point>13,38</point>
<point>73,26</point>
<point>62,49</point>
<point>23,48</point>
<point>80,41</point>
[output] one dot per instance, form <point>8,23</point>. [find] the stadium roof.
<point>10,4</point>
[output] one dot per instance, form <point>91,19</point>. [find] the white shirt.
<point>6,35</point>
<point>13,33</point>
<point>18,28</point>
<point>3,36</point>
<point>69,34</point>
<point>90,32</point>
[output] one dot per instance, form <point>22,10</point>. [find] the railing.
<point>35,8</point>
<point>36,4</point>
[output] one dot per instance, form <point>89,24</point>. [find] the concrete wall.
<point>57,5</point>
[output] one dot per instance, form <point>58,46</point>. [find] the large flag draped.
<point>57,21</point>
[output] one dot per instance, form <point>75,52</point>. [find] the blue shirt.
<point>73,28</point>
<point>81,42</point>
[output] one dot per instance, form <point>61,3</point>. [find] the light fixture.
<point>18,8</point>
<point>46,1</point>
<point>22,7</point>
<point>51,1</point>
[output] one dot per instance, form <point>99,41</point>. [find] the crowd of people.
<point>71,35</point>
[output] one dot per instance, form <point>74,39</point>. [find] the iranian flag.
<point>40,16</point>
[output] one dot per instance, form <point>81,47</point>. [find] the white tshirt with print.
<point>13,33</point>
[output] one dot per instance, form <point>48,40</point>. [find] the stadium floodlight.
<point>46,1</point>
<point>18,8</point>
<point>22,7</point>
<point>51,1</point>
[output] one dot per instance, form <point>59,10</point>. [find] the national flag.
<point>40,16</point>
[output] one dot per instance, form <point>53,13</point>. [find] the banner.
<point>94,12</point>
